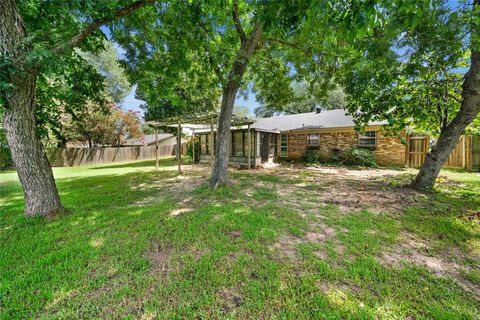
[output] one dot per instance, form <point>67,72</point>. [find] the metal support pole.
<point>179,148</point>
<point>249,145</point>
<point>156,148</point>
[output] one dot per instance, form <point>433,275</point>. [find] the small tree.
<point>98,127</point>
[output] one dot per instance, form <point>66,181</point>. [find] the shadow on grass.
<point>163,162</point>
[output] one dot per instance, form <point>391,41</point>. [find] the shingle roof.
<point>312,120</point>
<point>148,139</point>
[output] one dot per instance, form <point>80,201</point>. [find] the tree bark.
<point>31,163</point>
<point>449,137</point>
<point>230,89</point>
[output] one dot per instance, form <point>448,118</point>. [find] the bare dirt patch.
<point>379,190</point>
<point>159,258</point>
<point>180,211</point>
<point>410,249</point>
<point>286,246</point>
<point>230,299</point>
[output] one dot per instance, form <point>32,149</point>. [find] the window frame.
<point>308,140</point>
<point>363,137</point>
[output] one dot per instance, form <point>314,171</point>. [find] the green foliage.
<point>102,127</point>
<point>6,161</point>
<point>310,157</point>
<point>241,111</point>
<point>358,157</point>
<point>410,70</point>
<point>304,101</point>
<point>197,150</point>
<point>182,54</point>
<point>67,94</point>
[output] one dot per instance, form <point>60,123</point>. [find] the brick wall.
<point>388,151</point>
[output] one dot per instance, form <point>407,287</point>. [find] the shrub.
<point>6,161</point>
<point>197,150</point>
<point>359,157</point>
<point>310,157</point>
<point>335,157</point>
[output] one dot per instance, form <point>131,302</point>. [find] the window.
<point>252,144</point>
<point>283,145</point>
<point>237,143</point>
<point>367,139</point>
<point>313,141</point>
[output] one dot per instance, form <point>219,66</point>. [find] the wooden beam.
<point>156,148</point>
<point>179,148</point>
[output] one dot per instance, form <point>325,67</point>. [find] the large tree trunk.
<point>222,147</point>
<point>230,89</point>
<point>31,163</point>
<point>33,168</point>
<point>449,137</point>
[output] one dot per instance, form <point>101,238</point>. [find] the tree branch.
<point>290,45</point>
<point>238,24</point>
<point>215,66</point>
<point>97,23</point>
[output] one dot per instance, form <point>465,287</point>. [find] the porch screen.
<point>283,145</point>
<point>203,144</point>
<point>238,143</point>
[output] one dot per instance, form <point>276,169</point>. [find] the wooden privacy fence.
<point>417,148</point>
<point>70,157</point>
<point>475,152</point>
<point>465,155</point>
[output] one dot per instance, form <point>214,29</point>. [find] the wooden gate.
<point>476,152</point>
<point>417,149</point>
<point>457,158</point>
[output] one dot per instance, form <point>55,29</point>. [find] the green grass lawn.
<point>282,243</point>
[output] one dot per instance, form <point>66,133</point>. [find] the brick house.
<point>288,137</point>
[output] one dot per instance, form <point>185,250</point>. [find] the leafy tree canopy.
<point>107,64</point>
<point>409,72</point>
<point>94,127</point>
<point>304,101</point>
